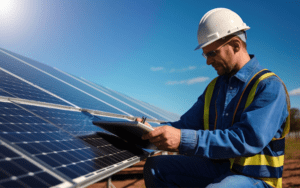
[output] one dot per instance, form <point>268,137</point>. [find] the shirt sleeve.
<point>262,120</point>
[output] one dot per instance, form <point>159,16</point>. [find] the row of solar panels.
<point>46,133</point>
<point>65,89</point>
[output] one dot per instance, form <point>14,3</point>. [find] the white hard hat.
<point>218,23</point>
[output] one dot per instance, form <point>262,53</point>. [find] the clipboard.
<point>130,131</point>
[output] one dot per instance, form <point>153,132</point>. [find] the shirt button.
<point>226,114</point>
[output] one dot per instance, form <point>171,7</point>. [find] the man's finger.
<point>139,119</point>
<point>156,132</point>
<point>145,136</point>
<point>159,145</point>
<point>156,139</point>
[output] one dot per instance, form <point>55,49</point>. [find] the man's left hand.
<point>164,138</point>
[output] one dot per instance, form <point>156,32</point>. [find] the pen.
<point>144,119</point>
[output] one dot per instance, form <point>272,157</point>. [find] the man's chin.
<point>220,73</point>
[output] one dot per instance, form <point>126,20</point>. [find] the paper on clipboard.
<point>130,131</point>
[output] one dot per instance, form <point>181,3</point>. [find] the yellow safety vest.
<point>264,165</point>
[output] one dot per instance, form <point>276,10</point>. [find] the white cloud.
<point>173,69</point>
<point>188,82</point>
<point>157,68</point>
<point>192,67</point>
<point>196,80</point>
<point>175,82</point>
<point>183,69</point>
<point>295,92</point>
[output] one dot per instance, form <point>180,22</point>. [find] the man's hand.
<point>140,120</point>
<point>164,138</point>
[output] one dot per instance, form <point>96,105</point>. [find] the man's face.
<point>223,60</point>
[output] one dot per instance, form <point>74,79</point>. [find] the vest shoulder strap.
<point>208,95</point>
<point>250,87</point>
<point>249,94</point>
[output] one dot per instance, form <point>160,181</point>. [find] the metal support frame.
<point>109,183</point>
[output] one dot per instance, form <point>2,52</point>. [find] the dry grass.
<point>292,148</point>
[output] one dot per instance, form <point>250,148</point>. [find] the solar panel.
<point>92,93</point>
<point>46,133</point>
<point>65,142</point>
<point>56,86</point>
<point>161,115</point>
<point>14,87</point>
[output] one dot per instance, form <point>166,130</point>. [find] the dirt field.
<point>291,171</point>
<point>132,177</point>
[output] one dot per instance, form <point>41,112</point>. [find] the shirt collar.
<point>247,70</point>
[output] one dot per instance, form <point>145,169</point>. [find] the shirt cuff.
<point>188,142</point>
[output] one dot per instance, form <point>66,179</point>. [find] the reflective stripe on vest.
<point>244,164</point>
<point>208,95</point>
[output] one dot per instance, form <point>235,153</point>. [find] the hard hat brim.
<point>205,44</point>
<point>198,47</point>
<point>238,33</point>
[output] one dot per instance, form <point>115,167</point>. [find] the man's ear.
<point>236,44</point>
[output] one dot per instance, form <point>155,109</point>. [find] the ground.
<point>291,171</point>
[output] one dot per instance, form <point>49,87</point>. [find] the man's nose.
<point>209,60</point>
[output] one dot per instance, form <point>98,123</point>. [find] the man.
<point>233,136</point>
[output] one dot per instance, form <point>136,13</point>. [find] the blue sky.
<point>145,49</point>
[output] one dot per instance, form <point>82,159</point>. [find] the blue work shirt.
<point>261,121</point>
